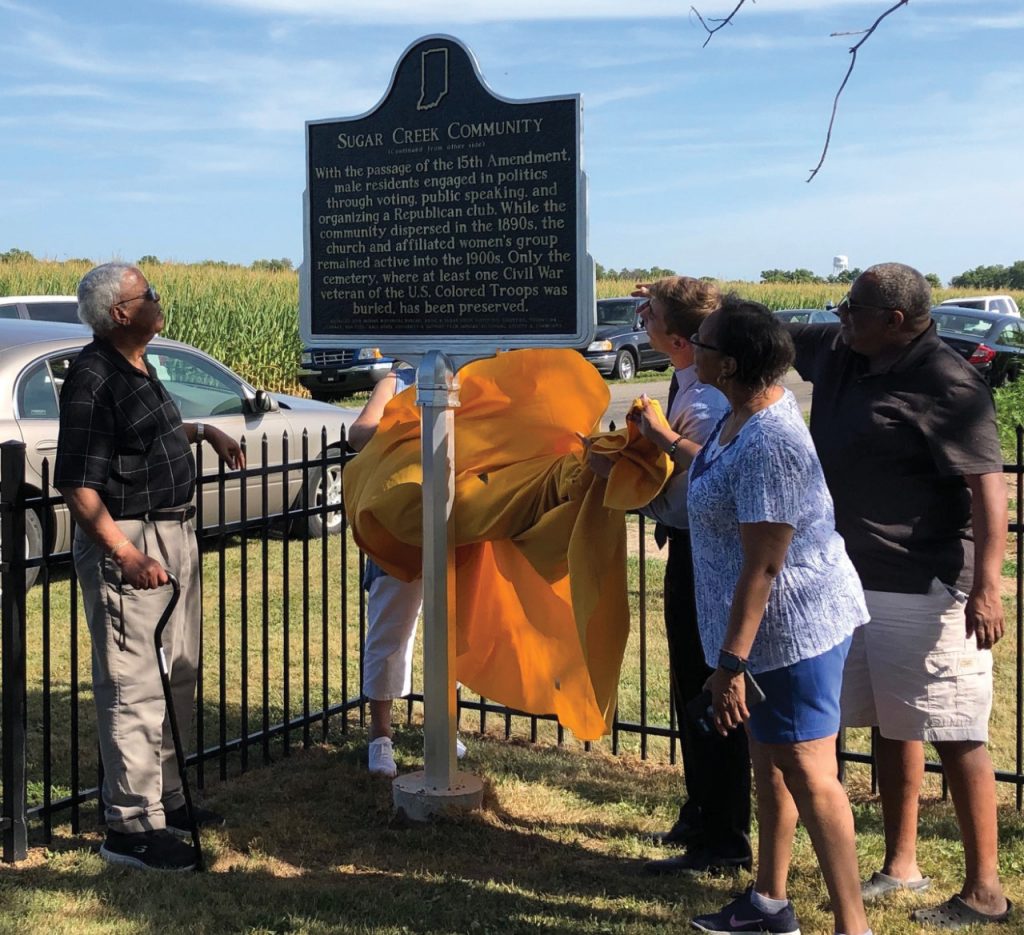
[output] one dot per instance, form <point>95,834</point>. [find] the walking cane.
<point>165,680</point>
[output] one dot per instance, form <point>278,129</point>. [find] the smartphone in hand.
<point>701,715</point>
<point>755,694</point>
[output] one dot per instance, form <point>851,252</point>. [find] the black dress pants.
<point>716,769</point>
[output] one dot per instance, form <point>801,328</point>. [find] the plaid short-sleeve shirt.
<point>121,434</point>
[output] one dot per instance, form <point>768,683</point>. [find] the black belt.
<point>167,516</point>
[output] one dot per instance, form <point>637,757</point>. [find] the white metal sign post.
<point>447,216</point>
<point>438,787</point>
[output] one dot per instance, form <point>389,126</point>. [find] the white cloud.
<point>74,56</point>
<point>57,90</point>
<point>459,11</point>
<point>627,92</point>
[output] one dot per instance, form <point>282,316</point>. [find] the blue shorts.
<point>802,700</point>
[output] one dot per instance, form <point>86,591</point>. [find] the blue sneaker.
<point>742,916</point>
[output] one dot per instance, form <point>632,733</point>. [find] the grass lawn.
<point>311,844</point>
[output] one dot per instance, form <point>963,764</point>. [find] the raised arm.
<point>365,425</point>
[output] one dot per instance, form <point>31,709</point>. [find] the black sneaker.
<point>178,824</point>
<point>700,860</point>
<point>148,850</point>
<point>741,916</point>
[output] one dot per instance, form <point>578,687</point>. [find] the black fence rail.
<point>284,623</point>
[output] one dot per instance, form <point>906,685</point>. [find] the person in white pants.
<point>393,607</point>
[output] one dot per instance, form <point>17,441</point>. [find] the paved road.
<point>623,395</point>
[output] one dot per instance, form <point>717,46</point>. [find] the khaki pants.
<point>141,780</point>
<point>913,672</point>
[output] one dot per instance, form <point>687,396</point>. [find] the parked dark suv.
<point>621,347</point>
<point>329,373</point>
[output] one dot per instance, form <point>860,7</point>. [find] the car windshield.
<point>616,313</point>
<point>967,325</point>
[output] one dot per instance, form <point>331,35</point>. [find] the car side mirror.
<point>264,402</point>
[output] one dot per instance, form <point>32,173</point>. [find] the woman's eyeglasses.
<point>702,345</point>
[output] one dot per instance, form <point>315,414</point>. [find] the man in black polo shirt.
<point>125,467</point>
<point>905,430</point>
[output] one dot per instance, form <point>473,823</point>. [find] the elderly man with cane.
<point>125,467</point>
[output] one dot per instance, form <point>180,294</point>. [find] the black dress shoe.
<point>700,861</point>
<point>680,834</point>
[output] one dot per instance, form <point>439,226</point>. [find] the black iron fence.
<point>283,630</point>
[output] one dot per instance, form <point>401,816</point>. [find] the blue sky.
<point>177,128</point>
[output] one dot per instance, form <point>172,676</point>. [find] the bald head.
<point>897,286</point>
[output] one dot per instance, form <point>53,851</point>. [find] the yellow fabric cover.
<point>542,615</point>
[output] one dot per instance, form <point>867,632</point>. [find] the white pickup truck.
<point>1002,304</point>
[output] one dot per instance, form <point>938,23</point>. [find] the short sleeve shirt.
<point>895,446</point>
<point>769,473</point>
<point>121,435</point>
<point>696,409</point>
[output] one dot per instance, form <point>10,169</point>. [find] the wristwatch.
<point>200,432</point>
<point>731,662</point>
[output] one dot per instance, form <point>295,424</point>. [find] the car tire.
<point>314,525</point>
<point>33,545</point>
<point>625,366</point>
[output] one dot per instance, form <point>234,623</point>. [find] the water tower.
<point>840,264</point>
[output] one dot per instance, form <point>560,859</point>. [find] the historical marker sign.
<point>447,217</point>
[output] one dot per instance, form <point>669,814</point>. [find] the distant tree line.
<point>845,277</point>
<point>14,255</point>
<point>637,275</point>
<point>992,277</point>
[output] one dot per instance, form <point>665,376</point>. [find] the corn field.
<point>249,319</point>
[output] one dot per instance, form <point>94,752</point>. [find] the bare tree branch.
<point>866,33</point>
<point>722,23</point>
<point>849,71</point>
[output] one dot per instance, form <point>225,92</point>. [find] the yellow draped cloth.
<point>542,614</point>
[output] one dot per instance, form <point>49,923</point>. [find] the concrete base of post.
<point>420,801</point>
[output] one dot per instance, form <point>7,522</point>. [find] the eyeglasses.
<point>702,345</point>
<point>151,294</point>
<point>845,306</point>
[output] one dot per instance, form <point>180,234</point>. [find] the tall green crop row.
<point>247,319</point>
<point>785,295</point>
<point>774,295</point>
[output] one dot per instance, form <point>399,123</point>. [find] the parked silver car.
<point>40,307</point>
<point>35,356</point>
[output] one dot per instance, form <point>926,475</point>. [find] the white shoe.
<point>382,757</point>
<point>460,749</point>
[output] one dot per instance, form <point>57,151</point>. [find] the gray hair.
<point>903,287</point>
<point>97,292</point>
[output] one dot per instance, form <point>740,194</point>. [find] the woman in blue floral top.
<point>777,597</point>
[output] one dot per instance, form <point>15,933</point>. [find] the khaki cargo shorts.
<point>913,673</point>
